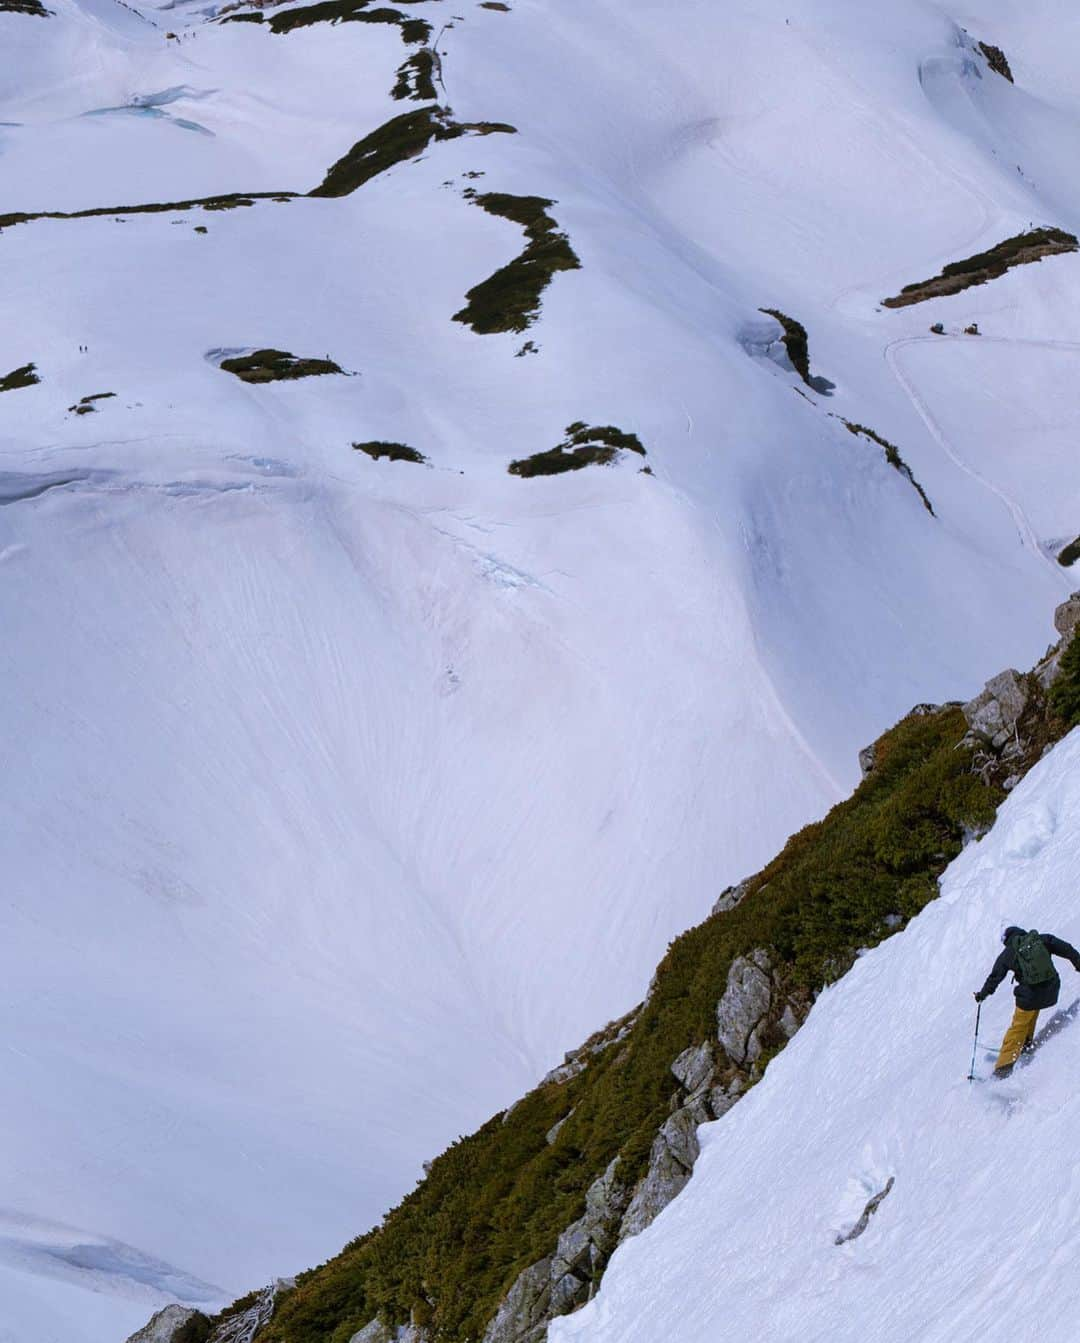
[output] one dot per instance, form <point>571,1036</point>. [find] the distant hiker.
<point>1029,955</point>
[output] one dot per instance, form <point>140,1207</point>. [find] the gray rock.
<point>722,1098</point>
<point>993,713</point>
<point>171,1325</point>
<point>695,1066</point>
<point>741,1012</point>
<point>867,759</point>
<point>523,1314</point>
<point>732,896</point>
<point>555,1129</point>
<point>1067,615</point>
<point>789,1022</point>
<point>375,1332</point>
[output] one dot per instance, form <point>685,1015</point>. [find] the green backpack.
<point>1034,964</point>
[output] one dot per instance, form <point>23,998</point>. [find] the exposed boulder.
<point>694,1067</point>
<point>993,714</point>
<point>375,1332</point>
<point>729,898</point>
<point>1067,616</point>
<point>525,1310</point>
<point>174,1324</point>
<point>742,1011</point>
<point>867,759</point>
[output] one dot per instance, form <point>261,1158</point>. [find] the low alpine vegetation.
<point>413,31</point>
<point>797,344</point>
<point>509,300</point>
<point>1068,555</point>
<point>276,366</point>
<point>232,201</point>
<point>583,446</point>
<point>395,452</point>
<point>19,377</point>
<point>1020,250</point>
<point>87,404</point>
<point>892,456</point>
<point>401,138</point>
<point>25,7</point>
<point>415,77</point>
<point>997,60</point>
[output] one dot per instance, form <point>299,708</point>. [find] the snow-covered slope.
<point>341,796</point>
<point>981,1224</point>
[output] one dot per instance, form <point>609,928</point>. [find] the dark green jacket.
<point>1031,997</point>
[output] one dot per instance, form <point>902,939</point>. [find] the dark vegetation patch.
<point>495,4</point>
<point>496,1201</point>
<point>19,377</point>
<point>797,344</point>
<point>276,366</point>
<point>86,405</point>
<point>1021,250</point>
<point>416,77</point>
<point>233,201</point>
<point>401,138</point>
<point>1069,554</point>
<point>255,17</point>
<point>413,31</point>
<point>1065,692</point>
<point>996,60</point>
<point>25,7</point>
<point>396,452</point>
<point>892,456</point>
<point>509,300</point>
<point>584,445</point>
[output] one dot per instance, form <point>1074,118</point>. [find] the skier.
<point>1029,955</point>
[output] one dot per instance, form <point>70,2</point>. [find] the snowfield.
<point>341,797</point>
<point>981,1220</point>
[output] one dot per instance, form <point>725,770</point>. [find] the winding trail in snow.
<point>1020,519</point>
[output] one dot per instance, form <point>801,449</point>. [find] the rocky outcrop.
<point>730,897</point>
<point>174,1324</point>
<point>994,713</point>
<point>742,1011</point>
<point>577,1060</point>
<point>556,1285</point>
<point>377,1332</point>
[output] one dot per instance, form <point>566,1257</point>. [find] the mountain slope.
<point>344,795</point>
<point>979,1220</point>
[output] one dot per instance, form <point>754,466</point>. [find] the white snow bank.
<point>982,1224</point>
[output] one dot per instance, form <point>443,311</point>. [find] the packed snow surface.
<point>341,796</point>
<point>981,1225</point>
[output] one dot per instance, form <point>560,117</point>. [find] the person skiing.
<point>1029,955</point>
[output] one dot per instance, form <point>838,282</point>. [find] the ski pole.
<point>974,1047</point>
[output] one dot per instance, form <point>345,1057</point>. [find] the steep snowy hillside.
<point>980,1218</point>
<point>342,794</point>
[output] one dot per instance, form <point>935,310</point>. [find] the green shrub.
<point>1065,692</point>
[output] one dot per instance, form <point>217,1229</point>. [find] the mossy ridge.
<point>85,405</point>
<point>401,138</point>
<point>395,452</point>
<point>1020,250</point>
<point>231,201</point>
<point>496,1201</point>
<point>413,31</point>
<point>892,456</point>
<point>26,376</point>
<point>997,60</point>
<point>509,300</point>
<point>416,77</point>
<point>583,446</point>
<point>1068,555</point>
<point>276,366</point>
<point>797,344</point>
<point>34,7</point>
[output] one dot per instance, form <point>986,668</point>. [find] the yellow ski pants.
<point>1021,1031</point>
